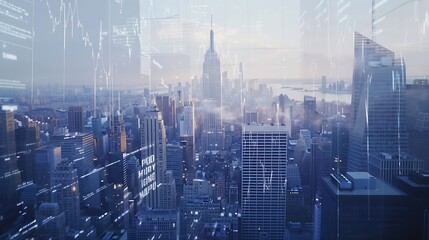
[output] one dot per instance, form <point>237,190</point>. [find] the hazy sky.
<point>282,39</point>
<point>267,35</point>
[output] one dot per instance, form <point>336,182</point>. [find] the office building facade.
<point>264,181</point>
<point>378,103</point>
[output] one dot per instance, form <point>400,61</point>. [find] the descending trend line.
<point>68,16</point>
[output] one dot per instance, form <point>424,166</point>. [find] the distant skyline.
<point>265,36</point>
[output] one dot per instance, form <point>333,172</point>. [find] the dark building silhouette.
<point>416,185</point>
<point>418,119</point>
<point>340,143</point>
<point>117,135</point>
<point>76,122</point>
<point>11,176</point>
<point>27,140</point>
<point>187,142</point>
<point>359,206</point>
<point>46,160</point>
<point>167,107</point>
<point>67,193</point>
<point>320,164</point>
<point>309,112</point>
<point>51,221</point>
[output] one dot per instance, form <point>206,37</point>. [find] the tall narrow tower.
<point>378,102</point>
<point>211,74</point>
<point>153,140</point>
<point>118,141</point>
<point>212,132</point>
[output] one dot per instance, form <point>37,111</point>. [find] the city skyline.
<point>214,120</point>
<point>276,35</point>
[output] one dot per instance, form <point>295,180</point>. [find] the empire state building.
<point>211,74</point>
<point>212,132</point>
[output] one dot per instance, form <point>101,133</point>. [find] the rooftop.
<point>263,128</point>
<point>379,188</point>
<point>71,135</point>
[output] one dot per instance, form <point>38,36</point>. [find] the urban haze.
<point>214,119</point>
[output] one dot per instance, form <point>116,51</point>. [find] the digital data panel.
<point>16,36</point>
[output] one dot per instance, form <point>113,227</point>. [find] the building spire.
<point>211,34</point>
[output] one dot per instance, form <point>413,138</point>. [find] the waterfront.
<point>297,90</point>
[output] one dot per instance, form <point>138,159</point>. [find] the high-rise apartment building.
<point>378,103</point>
<point>264,181</point>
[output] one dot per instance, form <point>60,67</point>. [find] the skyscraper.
<point>175,163</point>
<point>309,112</point>
<point>153,139</point>
<point>418,119</point>
<point>212,132</point>
<point>51,221</point>
<point>340,143</point>
<point>264,157</point>
<point>46,159</point>
<point>75,119</point>
<point>167,107</point>
<point>27,140</point>
<point>78,148</point>
<point>187,142</point>
<point>188,122</point>
<point>118,141</point>
<point>378,103</point>
<point>66,194</point>
<point>11,176</point>
<point>416,186</point>
<point>211,74</point>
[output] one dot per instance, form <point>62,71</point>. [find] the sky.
<point>307,39</point>
<point>167,39</point>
